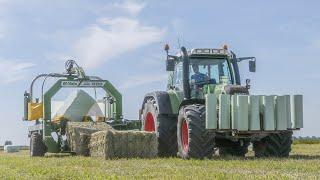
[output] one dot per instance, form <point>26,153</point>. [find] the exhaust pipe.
<point>185,75</point>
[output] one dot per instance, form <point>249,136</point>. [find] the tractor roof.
<point>196,52</point>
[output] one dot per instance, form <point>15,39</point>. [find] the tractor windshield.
<point>212,71</point>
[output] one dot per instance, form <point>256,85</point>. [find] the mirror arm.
<point>245,58</point>
<point>172,56</point>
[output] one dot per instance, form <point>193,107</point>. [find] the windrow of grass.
<point>304,162</point>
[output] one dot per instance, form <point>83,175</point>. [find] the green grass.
<point>304,162</point>
<point>306,141</point>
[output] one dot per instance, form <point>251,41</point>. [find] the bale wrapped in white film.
<point>55,106</point>
<point>77,105</point>
<point>11,148</point>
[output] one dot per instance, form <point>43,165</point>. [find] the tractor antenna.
<point>179,44</point>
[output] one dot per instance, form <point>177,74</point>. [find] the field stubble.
<point>304,162</point>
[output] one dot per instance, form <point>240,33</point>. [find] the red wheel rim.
<point>185,136</point>
<point>149,122</point>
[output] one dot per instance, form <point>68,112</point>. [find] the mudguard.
<point>163,101</point>
<point>191,101</point>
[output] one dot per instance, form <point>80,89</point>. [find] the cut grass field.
<point>304,162</point>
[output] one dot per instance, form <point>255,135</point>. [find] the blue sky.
<point>122,41</point>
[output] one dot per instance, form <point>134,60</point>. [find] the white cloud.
<point>130,7</point>
<point>141,80</point>
<point>11,71</point>
<point>109,38</point>
<point>3,4</point>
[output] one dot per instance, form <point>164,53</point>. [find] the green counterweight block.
<point>297,111</point>
<point>268,113</point>
<point>240,115</point>
<point>288,111</point>
<point>211,111</point>
<point>281,113</point>
<point>224,111</point>
<point>254,113</point>
<point>243,113</point>
<point>234,111</point>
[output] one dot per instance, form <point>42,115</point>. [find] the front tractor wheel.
<point>163,125</point>
<point>194,141</point>
<point>37,147</point>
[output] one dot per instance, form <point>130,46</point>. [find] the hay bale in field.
<point>99,146</point>
<point>11,149</point>
<point>79,134</point>
<point>123,144</point>
<point>102,126</point>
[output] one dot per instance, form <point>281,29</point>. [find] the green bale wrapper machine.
<point>48,134</point>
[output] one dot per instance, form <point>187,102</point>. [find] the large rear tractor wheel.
<point>194,141</point>
<point>165,126</point>
<point>274,145</point>
<point>37,147</point>
<point>234,149</point>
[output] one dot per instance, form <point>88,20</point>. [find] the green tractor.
<point>49,134</point>
<point>205,108</point>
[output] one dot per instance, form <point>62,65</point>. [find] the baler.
<point>48,134</point>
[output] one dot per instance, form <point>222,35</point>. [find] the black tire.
<point>234,149</point>
<point>274,145</point>
<point>165,126</point>
<point>200,142</point>
<point>37,147</point>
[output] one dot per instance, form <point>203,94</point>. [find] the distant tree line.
<point>306,138</point>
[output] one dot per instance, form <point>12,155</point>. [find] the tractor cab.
<point>200,70</point>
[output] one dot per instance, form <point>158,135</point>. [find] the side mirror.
<point>248,83</point>
<point>170,65</point>
<point>252,65</point>
<point>169,62</point>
